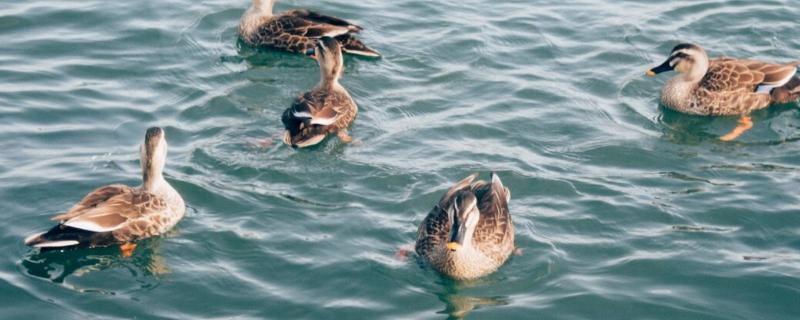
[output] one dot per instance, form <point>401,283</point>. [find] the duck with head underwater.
<point>118,214</point>
<point>297,30</point>
<point>725,86</point>
<point>327,108</point>
<point>469,234</point>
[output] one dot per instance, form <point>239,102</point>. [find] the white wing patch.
<point>323,121</point>
<point>90,226</point>
<point>301,114</point>
<point>56,244</point>
<point>30,238</point>
<point>336,32</point>
<point>765,88</point>
<point>311,141</point>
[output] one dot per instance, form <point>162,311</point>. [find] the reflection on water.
<point>59,266</point>
<point>459,306</point>
<point>553,95</point>
<point>455,293</point>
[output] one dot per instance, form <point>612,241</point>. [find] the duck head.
<point>687,59</point>
<point>328,53</point>
<point>153,153</point>
<point>464,216</point>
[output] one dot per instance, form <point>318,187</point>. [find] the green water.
<point>623,210</point>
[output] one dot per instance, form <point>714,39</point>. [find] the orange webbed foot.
<point>745,123</point>
<point>342,134</point>
<point>127,249</point>
<point>403,252</point>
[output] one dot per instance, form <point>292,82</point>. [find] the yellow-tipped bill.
<point>453,246</point>
<point>650,73</point>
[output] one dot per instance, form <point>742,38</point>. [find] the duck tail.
<point>788,92</point>
<point>300,132</point>
<point>62,236</point>
<point>354,46</point>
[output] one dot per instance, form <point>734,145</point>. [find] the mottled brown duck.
<point>119,214</point>
<point>327,108</point>
<point>297,30</point>
<point>469,234</point>
<point>725,86</point>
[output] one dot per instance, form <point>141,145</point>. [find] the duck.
<point>469,233</point>
<point>327,108</point>
<point>118,214</point>
<point>297,30</point>
<point>725,86</point>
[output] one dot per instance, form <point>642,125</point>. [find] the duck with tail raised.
<point>725,86</point>
<point>327,108</point>
<point>469,234</point>
<point>297,30</point>
<point>118,214</point>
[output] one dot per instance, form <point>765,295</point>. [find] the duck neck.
<point>154,182</point>
<point>261,7</point>
<point>252,18</point>
<point>697,71</point>
<point>329,82</point>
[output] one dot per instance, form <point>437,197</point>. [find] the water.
<point>623,210</point>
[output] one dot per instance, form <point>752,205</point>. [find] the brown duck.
<point>119,214</point>
<point>297,30</point>
<point>469,234</point>
<point>327,108</point>
<point>725,86</point>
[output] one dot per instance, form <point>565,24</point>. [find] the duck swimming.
<point>119,214</point>
<point>327,108</point>
<point>469,234</point>
<point>297,30</point>
<point>725,86</point>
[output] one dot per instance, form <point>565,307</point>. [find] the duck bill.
<point>664,67</point>
<point>457,239</point>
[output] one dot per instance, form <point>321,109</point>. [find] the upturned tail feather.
<point>300,132</point>
<point>354,46</point>
<point>62,236</point>
<point>788,92</point>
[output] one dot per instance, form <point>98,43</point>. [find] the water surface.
<point>623,210</point>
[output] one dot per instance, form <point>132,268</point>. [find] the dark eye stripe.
<point>678,57</point>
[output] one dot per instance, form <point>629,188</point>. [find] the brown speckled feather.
<point>725,86</point>
<point>327,108</point>
<point>729,87</point>
<point>129,213</point>
<point>434,231</point>
<point>117,213</point>
<point>298,31</point>
<point>92,200</point>
<point>320,103</point>
<point>493,236</point>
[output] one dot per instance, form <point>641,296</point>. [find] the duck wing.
<point>296,24</point>
<point>320,108</point>
<point>326,19</point>
<point>494,234</point>
<point>728,74</point>
<point>112,207</point>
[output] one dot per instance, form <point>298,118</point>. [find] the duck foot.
<point>127,249</point>
<point>342,134</point>
<point>403,252</point>
<point>745,123</point>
